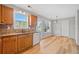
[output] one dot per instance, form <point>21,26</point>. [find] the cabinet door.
<point>9,45</point>
<point>0,46</point>
<point>29,41</point>
<point>0,13</point>
<point>32,21</point>
<point>7,15</point>
<point>21,43</point>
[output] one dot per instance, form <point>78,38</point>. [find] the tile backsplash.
<point>4,29</point>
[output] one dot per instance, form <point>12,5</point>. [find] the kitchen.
<point>24,29</point>
<point>15,38</point>
<point>39,29</point>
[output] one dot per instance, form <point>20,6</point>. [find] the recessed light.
<point>29,6</point>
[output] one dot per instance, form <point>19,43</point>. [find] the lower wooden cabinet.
<point>15,44</point>
<point>24,42</point>
<point>29,41</point>
<point>9,44</point>
<point>21,43</point>
<point>0,45</point>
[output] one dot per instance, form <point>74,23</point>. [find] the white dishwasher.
<point>36,38</point>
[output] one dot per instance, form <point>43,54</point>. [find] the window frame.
<point>14,21</point>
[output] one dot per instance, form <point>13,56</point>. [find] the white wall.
<point>61,27</point>
<point>72,28</point>
<point>56,27</point>
<point>64,27</point>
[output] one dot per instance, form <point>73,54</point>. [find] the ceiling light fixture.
<point>33,10</point>
<point>29,6</point>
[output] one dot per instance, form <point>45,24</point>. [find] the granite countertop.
<point>12,34</point>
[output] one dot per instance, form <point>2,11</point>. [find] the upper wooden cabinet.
<point>32,21</point>
<point>7,15</point>
<point>9,45</point>
<point>0,13</point>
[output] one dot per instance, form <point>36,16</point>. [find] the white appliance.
<point>36,38</point>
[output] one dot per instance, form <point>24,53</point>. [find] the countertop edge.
<point>15,34</point>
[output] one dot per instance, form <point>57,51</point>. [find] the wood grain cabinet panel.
<point>0,13</point>
<point>24,42</point>
<point>29,41</point>
<point>0,46</point>
<point>9,45</point>
<point>7,15</point>
<point>21,43</point>
<point>32,21</point>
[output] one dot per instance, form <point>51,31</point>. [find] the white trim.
<point>76,27</point>
<point>30,20</point>
<point>14,25</point>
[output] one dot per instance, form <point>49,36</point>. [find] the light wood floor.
<point>53,45</point>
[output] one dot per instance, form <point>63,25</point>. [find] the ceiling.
<point>50,11</point>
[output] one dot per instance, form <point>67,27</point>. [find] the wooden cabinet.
<point>32,21</point>
<point>21,43</point>
<point>0,46</point>
<point>29,41</point>
<point>7,15</point>
<point>9,44</point>
<point>15,44</point>
<point>0,13</point>
<point>24,42</point>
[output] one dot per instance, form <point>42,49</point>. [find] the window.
<point>20,21</point>
<point>43,26</point>
<point>47,24</point>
